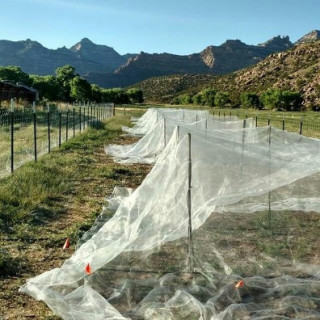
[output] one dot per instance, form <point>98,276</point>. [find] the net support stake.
<point>269,193</point>
<point>35,133</point>
<point>60,125</point>
<point>164,132</point>
<point>67,124</point>
<point>12,134</point>
<point>49,129</point>
<point>190,244</point>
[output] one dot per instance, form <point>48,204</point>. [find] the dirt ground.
<point>43,253</point>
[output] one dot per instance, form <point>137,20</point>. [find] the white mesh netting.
<point>225,226</point>
<point>157,126</point>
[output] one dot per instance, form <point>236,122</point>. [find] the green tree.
<point>250,100</point>
<point>64,76</point>
<point>15,74</point>
<point>281,100</point>
<point>291,100</point>
<point>197,99</point>
<point>185,99</point>
<point>208,96</point>
<point>96,93</point>
<point>135,95</point>
<point>116,95</point>
<point>271,99</point>
<point>80,89</point>
<point>222,99</point>
<point>47,86</point>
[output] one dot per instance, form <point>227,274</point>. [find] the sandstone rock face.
<point>309,37</point>
<point>297,69</point>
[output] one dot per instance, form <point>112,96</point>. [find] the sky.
<point>156,26</point>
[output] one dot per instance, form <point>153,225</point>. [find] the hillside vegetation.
<point>297,69</point>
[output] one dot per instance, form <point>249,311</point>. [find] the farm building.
<point>19,91</point>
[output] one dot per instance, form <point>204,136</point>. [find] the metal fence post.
<point>35,132</point>
<point>300,127</point>
<point>12,135</point>
<point>67,124</point>
<point>164,132</point>
<point>269,193</point>
<point>84,116</point>
<point>60,123</point>
<point>73,121</point>
<point>80,118</point>
<point>190,244</point>
<point>49,129</point>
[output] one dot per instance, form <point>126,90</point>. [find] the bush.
<point>281,100</point>
<point>250,100</point>
<point>222,99</point>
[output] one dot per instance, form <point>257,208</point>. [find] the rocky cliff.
<point>309,37</point>
<point>295,69</point>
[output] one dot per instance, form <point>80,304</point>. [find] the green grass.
<point>310,120</point>
<point>34,187</point>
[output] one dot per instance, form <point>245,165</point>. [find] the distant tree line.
<point>68,86</point>
<point>270,99</point>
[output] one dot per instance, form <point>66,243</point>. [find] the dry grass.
<point>33,236</point>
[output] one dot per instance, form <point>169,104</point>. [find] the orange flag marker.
<point>66,244</point>
<point>88,269</point>
<point>240,284</point>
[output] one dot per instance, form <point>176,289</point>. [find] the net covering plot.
<point>225,226</point>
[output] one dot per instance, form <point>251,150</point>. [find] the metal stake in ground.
<point>35,132</point>
<point>80,116</point>
<point>12,134</point>
<point>60,124</point>
<point>301,123</point>
<point>48,123</point>
<point>164,132</point>
<point>67,124</point>
<point>269,194</point>
<point>190,244</point>
<point>73,121</point>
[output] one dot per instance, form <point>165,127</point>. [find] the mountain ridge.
<point>230,56</point>
<point>104,66</point>
<point>296,69</point>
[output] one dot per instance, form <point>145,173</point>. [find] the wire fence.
<point>27,133</point>
<point>305,124</point>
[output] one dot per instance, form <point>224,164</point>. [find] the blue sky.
<point>156,26</point>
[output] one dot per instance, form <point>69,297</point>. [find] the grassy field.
<point>292,120</point>
<point>43,203</point>
<point>24,149</point>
